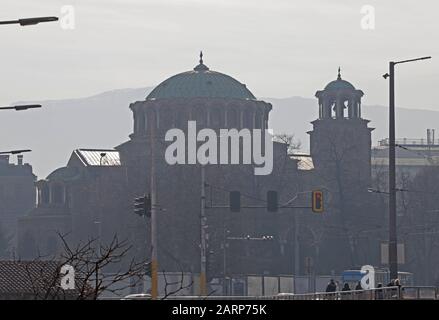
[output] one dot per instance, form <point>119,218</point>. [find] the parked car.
<point>137,296</point>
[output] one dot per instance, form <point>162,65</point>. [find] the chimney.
<point>20,159</point>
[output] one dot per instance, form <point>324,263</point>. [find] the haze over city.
<point>279,48</point>
<point>219,149</point>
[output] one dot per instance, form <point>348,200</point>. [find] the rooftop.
<point>201,82</point>
<point>339,83</point>
<point>99,157</point>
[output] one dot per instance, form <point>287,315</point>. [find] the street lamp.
<point>30,21</point>
<point>21,107</point>
<point>393,253</point>
<point>15,151</point>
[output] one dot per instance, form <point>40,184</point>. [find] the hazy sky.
<point>279,48</point>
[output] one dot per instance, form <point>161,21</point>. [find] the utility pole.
<point>154,263</point>
<point>393,247</point>
<point>30,21</point>
<point>296,248</point>
<point>203,234</point>
<point>225,245</point>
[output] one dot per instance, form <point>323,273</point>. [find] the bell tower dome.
<point>339,100</point>
<point>340,137</point>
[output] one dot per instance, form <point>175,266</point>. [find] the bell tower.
<point>340,141</point>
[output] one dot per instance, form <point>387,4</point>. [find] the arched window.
<point>200,117</point>
<point>167,118</point>
<point>44,193</point>
<point>215,118</point>
<point>248,119</point>
<point>181,118</point>
<point>233,120</point>
<point>258,120</point>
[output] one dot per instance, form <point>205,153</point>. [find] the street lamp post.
<point>30,21</point>
<point>203,234</point>
<point>21,107</point>
<point>27,22</point>
<point>15,151</point>
<point>393,249</point>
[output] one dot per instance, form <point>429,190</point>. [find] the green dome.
<point>339,84</point>
<point>201,83</point>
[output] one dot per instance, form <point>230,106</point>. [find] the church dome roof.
<point>64,174</point>
<point>201,82</point>
<point>339,84</point>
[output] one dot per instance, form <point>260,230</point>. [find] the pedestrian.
<point>394,291</point>
<point>391,283</point>
<point>398,284</point>
<point>345,295</point>
<point>358,286</point>
<point>346,287</point>
<point>379,292</point>
<point>331,287</point>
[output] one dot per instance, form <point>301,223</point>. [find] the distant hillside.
<point>104,121</point>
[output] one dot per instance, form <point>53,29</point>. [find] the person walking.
<point>346,287</point>
<point>331,287</point>
<point>391,283</point>
<point>344,294</point>
<point>379,292</point>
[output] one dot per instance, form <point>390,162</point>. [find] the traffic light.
<point>317,201</point>
<point>211,265</point>
<point>272,201</point>
<point>235,201</point>
<point>142,206</point>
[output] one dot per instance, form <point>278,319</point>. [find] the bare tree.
<point>173,287</point>
<point>98,268</point>
<point>289,140</point>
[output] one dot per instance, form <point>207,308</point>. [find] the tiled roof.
<point>35,279</point>
<point>26,276</point>
<point>99,157</point>
<point>201,83</point>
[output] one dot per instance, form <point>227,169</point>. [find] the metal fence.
<point>419,293</point>
<point>385,293</point>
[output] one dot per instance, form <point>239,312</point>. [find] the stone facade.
<point>17,197</point>
<point>95,198</point>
